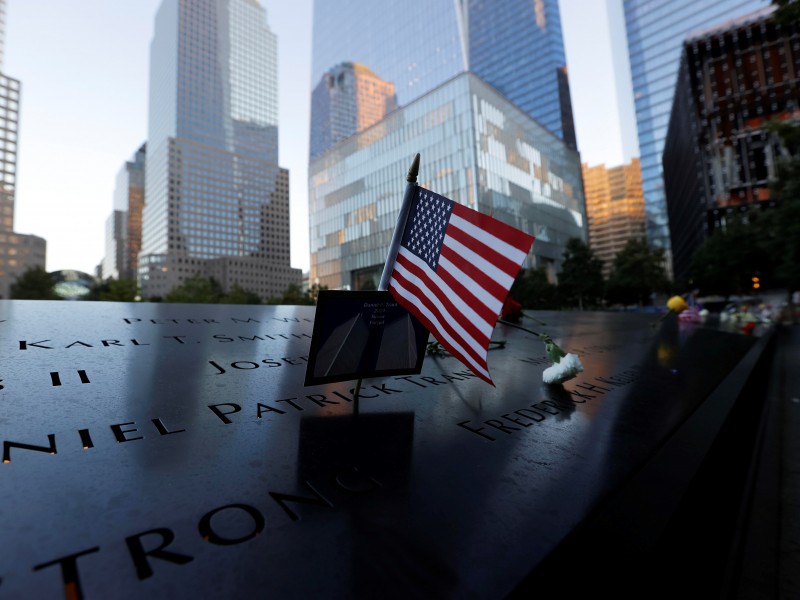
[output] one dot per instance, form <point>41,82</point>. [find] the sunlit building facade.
<point>348,99</point>
<point>720,158</point>
<point>216,201</point>
<point>514,45</point>
<point>476,148</point>
<point>18,252</point>
<point>124,225</point>
<point>614,209</point>
<point>655,32</point>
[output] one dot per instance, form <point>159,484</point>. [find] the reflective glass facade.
<point>124,224</point>
<point>9,126</point>
<point>614,209</point>
<point>476,148</point>
<point>216,200</point>
<point>514,45</point>
<point>18,252</point>
<point>348,99</point>
<point>656,31</point>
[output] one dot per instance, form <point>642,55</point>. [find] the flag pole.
<point>397,237</point>
<point>405,208</point>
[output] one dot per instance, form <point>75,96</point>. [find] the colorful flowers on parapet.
<point>512,312</point>
<point>677,304</point>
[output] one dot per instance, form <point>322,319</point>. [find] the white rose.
<point>567,368</point>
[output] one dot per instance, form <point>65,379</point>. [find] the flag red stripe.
<point>432,327</point>
<point>477,276</point>
<point>469,356</point>
<point>511,235</point>
<point>500,261</point>
<point>451,312</point>
<point>467,295</point>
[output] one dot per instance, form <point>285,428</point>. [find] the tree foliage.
<point>729,258</point>
<point>781,228</point>
<point>787,12</point>
<point>532,290</point>
<point>637,273</point>
<point>196,289</point>
<point>238,295</point>
<point>114,290</point>
<point>34,284</point>
<point>294,294</point>
<point>580,282</point>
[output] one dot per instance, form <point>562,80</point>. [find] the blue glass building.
<point>476,148</point>
<point>514,45</point>
<point>656,32</point>
<point>18,251</point>
<point>216,201</point>
<point>482,95</point>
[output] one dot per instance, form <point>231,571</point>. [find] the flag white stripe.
<point>481,263</point>
<point>483,327</point>
<point>440,331</point>
<point>478,291</point>
<point>511,252</point>
<point>460,305</point>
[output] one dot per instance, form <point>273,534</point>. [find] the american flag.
<point>453,272</point>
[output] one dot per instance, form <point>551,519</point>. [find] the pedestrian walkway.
<point>788,355</point>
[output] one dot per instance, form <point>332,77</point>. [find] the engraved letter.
<point>7,446</point>
<point>139,554</point>
<point>212,536</point>
<point>222,415</point>
<point>282,498</point>
<point>69,573</point>
<point>119,433</point>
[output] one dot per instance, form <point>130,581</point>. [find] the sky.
<point>83,108</point>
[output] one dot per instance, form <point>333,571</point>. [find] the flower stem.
<point>510,324</point>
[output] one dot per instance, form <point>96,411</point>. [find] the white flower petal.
<point>567,368</point>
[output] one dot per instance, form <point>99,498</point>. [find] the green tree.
<point>295,295</point>
<point>637,272</point>
<point>114,290</point>
<point>238,295</point>
<point>787,12</point>
<point>581,279</point>
<point>532,290</point>
<point>196,289</point>
<point>729,258</point>
<point>34,284</point>
<point>781,226</point>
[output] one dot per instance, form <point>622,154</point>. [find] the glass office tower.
<point>18,252</point>
<point>216,202</point>
<point>656,31</point>
<point>476,148</point>
<point>124,224</point>
<point>348,99</point>
<point>514,45</point>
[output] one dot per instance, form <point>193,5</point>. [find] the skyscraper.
<point>348,99</point>
<point>216,201</point>
<point>476,148</point>
<point>656,31</point>
<point>482,94</point>
<point>18,252</point>
<point>514,45</point>
<point>720,157</point>
<point>124,224</point>
<point>614,208</point>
